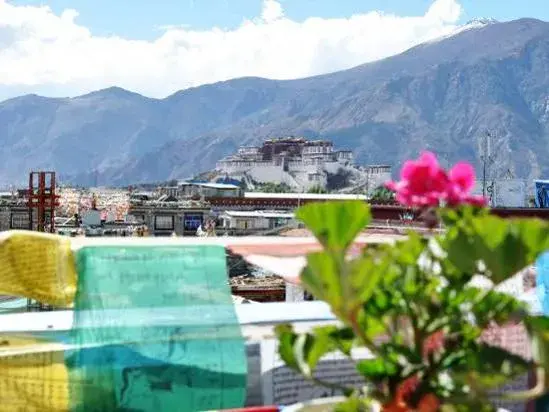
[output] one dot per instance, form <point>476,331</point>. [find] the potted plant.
<point>413,304</point>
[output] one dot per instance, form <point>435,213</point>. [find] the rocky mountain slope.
<point>443,95</point>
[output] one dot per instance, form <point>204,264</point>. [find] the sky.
<point>71,47</point>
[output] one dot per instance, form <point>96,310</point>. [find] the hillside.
<point>442,95</point>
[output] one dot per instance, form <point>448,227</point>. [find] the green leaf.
<point>373,326</point>
<point>322,278</point>
<point>354,404</point>
<point>378,370</point>
<point>453,216</point>
<point>335,224</point>
<point>504,246</point>
<point>408,251</point>
<point>378,305</point>
<point>538,328</point>
<point>496,307</point>
<point>490,367</point>
<point>460,248</point>
<point>402,354</point>
<point>457,271</point>
<point>507,246</point>
<point>474,405</point>
<point>286,341</point>
<point>343,285</point>
<point>302,352</point>
<point>342,339</point>
<point>363,277</point>
<point>538,325</point>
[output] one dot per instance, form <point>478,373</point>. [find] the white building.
<point>299,163</point>
<point>194,189</point>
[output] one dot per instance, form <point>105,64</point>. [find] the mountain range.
<point>444,95</point>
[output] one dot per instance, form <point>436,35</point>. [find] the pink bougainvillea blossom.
<point>461,182</point>
<point>424,183</point>
<point>462,177</point>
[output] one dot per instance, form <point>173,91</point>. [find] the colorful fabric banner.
<point>38,266</point>
<point>155,368</point>
<point>34,378</point>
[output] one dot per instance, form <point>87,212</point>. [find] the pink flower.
<point>462,177</point>
<point>461,182</point>
<point>424,183</point>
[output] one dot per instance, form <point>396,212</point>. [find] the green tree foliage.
<point>270,187</point>
<point>317,189</point>
<point>382,195</point>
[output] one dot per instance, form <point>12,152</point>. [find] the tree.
<point>271,187</point>
<point>382,195</point>
<point>317,189</point>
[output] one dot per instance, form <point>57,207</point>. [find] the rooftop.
<point>314,196</point>
<point>228,186</point>
<point>258,213</point>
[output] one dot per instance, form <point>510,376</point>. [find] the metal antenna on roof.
<point>486,158</point>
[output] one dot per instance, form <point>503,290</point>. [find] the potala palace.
<point>302,164</point>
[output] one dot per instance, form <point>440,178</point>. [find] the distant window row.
<point>167,222</point>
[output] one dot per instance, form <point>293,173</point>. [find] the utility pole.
<point>486,158</point>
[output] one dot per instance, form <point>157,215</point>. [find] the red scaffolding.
<point>43,200</point>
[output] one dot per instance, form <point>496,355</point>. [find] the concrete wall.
<point>377,179</point>
<point>266,174</point>
<point>303,182</point>
<point>332,167</point>
<point>242,166</point>
<point>511,193</point>
<point>249,223</point>
<point>297,176</point>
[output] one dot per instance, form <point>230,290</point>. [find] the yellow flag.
<point>39,266</point>
<point>33,376</point>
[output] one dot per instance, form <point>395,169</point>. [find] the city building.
<point>188,190</point>
<point>15,213</point>
<point>168,216</point>
<point>250,222</point>
<point>300,164</point>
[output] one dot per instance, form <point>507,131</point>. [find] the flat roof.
<point>142,194</point>
<point>313,196</point>
<point>219,185</point>
<point>258,213</point>
<point>212,185</point>
<point>267,244</point>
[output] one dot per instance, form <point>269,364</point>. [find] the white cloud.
<point>53,54</point>
<point>272,10</point>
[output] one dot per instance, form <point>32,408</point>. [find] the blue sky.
<point>141,19</point>
<point>157,47</point>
